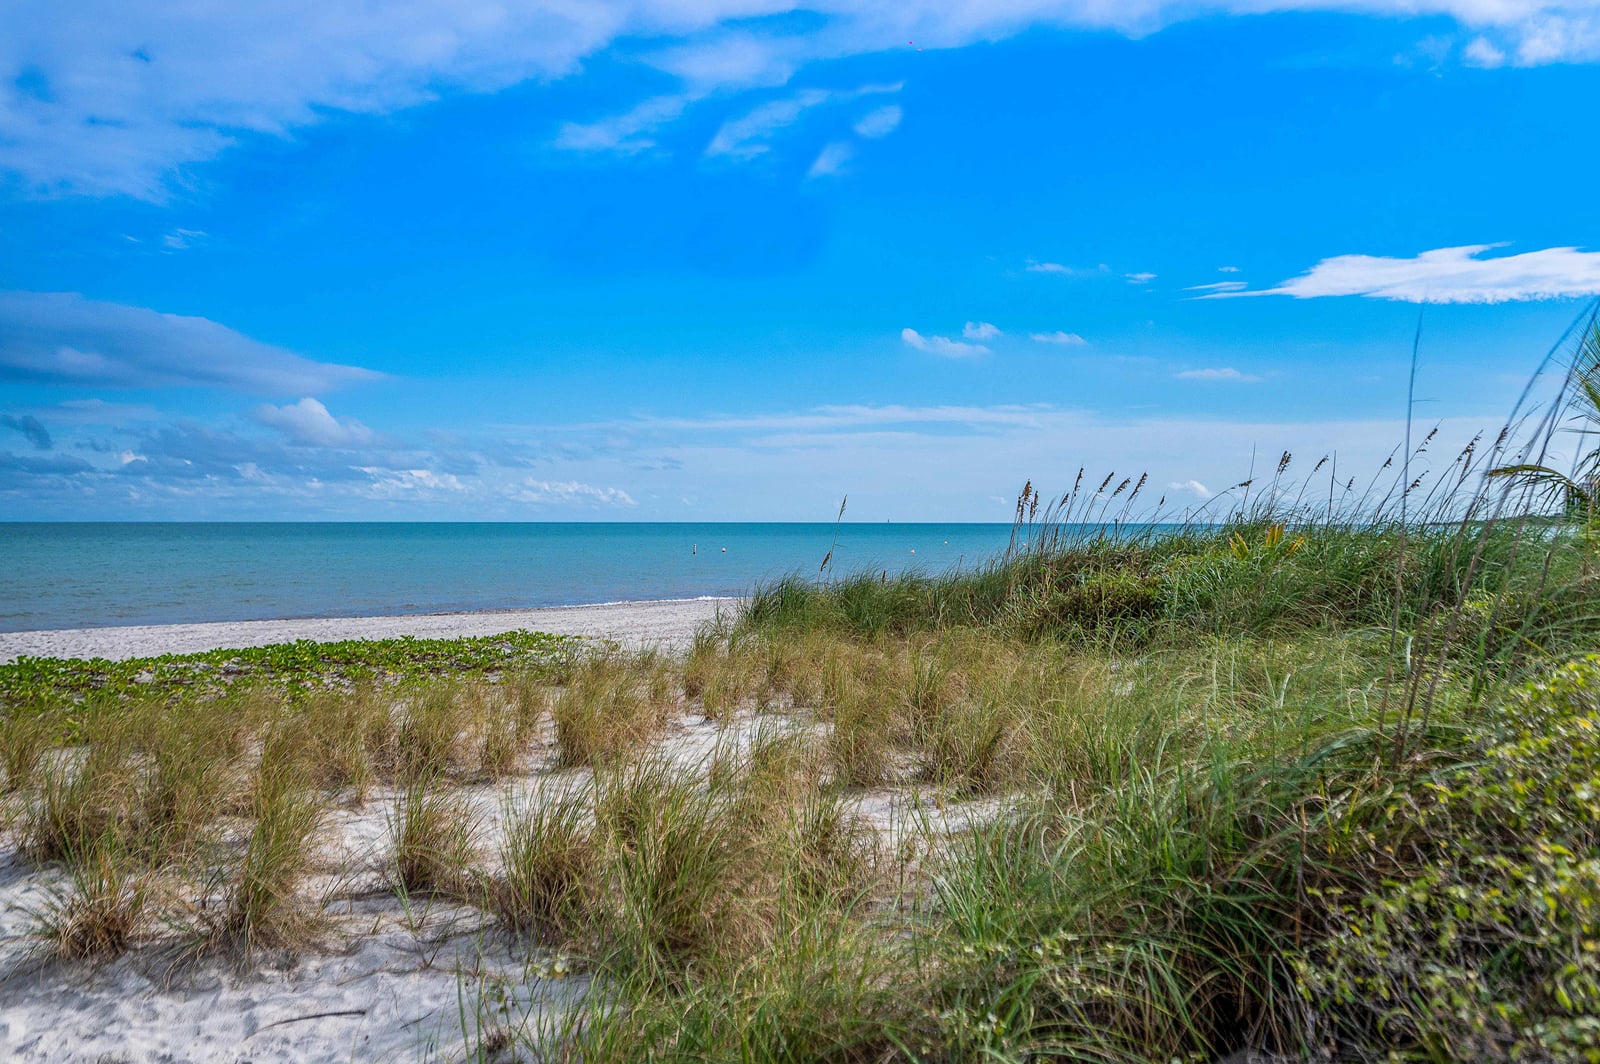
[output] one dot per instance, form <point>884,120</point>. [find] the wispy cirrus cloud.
<point>1219,373</point>
<point>64,338</point>
<point>832,159</point>
<point>627,133</point>
<point>879,122</point>
<point>1446,275</point>
<point>752,133</point>
<point>119,98</point>
<point>1218,286</point>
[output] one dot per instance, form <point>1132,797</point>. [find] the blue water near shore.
<point>93,575</point>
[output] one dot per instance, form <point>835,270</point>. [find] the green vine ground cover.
<point>43,684</point>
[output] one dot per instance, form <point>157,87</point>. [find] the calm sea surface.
<point>90,575</point>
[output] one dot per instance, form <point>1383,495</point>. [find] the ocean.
<point>94,575</point>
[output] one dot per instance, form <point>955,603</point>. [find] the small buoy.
<point>724,550</point>
<point>913,550</point>
<point>695,549</point>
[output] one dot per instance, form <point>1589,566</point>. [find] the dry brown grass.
<point>103,909</point>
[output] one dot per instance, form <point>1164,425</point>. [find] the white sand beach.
<point>667,623</point>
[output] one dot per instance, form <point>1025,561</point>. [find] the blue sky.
<point>733,259</point>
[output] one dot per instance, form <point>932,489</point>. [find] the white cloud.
<point>1447,275</point>
<point>180,239</point>
<point>1551,37</point>
<point>309,423</point>
<point>570,492</point>
<point>1194,486</point>
<point>979,330</point>
<point>1481,53</point>
<point>119,98</point>
<point>628,132</point>
<point>1227,269</point>
<point>63,338</point>
<point>941,345</point>
<point>750,135</point>
<point>879,122</point>
<point>1218,286</point>
<point>402,483</point>
<point>1220,373</point>
<point>1063,339</point>
<point>831,160</point>
<point>1067,271</point>
<point>1139,278</point>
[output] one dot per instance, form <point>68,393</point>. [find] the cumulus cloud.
<point>1193,486</point>
<point>832,159</point>
<point>308,423</point>
<point>979,330</point>
<point>941,345</point>
<point>1060,338</point>
<point>751,134</point>
<point>63,338</point>
<point>119,98</point>
<point>569,492</point>
<point>879,122</point>
<point>31,429</point>
<point>1220,373</point>
<point>1447,275</point>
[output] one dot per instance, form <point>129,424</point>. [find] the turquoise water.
<point>91,575</point>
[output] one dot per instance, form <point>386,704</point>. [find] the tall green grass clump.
<point>262,908</point>
<point>548,866</point>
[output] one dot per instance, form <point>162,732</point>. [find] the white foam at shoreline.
<point>667,623</point>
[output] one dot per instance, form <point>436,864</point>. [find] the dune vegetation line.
<point>1320,778</point>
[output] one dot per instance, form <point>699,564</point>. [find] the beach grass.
<point>1318,780</point>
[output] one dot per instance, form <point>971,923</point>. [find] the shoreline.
<point>668,623</point>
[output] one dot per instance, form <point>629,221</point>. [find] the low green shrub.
<point>1488,949</point>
